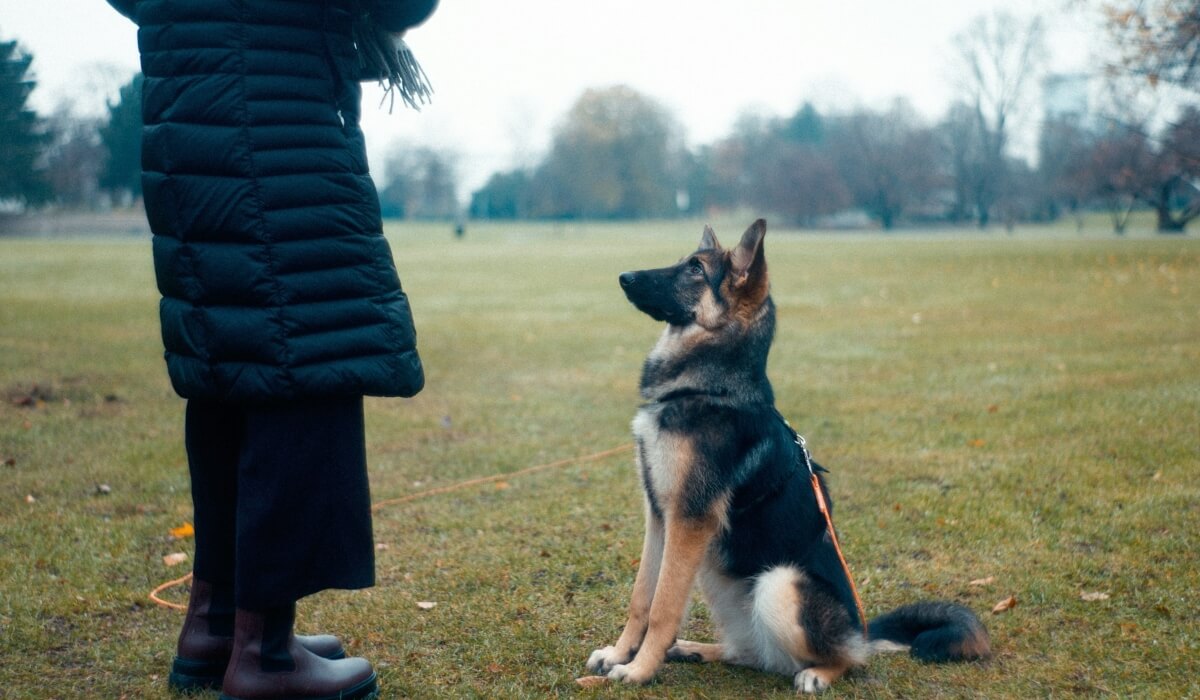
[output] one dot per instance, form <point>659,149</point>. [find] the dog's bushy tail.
<point>934,631</point>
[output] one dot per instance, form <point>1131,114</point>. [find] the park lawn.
<point>1023,410</point>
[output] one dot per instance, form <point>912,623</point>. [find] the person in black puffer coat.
<point>281,308</point>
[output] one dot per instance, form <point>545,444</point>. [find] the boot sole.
<point>190,675</point>
<point>366,690</point>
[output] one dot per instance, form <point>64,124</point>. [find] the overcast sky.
<point>504,73</point>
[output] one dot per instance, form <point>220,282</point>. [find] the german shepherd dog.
<point>729,501</point>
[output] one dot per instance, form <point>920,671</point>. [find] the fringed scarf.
<point>382,54</point>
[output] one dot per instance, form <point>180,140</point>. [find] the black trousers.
<point>282,504</point>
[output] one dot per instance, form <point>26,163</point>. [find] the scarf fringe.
<point>380,54</point>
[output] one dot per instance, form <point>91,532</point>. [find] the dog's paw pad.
<point>809,682</point>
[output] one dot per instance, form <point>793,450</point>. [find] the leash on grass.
<point>154,595</point>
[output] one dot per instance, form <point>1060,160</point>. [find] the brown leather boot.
<point>270,663</point>
<point>206,640</point>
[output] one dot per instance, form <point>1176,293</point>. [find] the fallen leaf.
<point>501,485</point>
<point>10,462</point>
<point>175,558</point>
<point>183,532</point>
<point>591,681</point>
<point>1007,604</point>
<point>30,499</point>
<point>977,443</point>
<point>495,668</point>
<point>382,546</point>
<point>426,604</point>
<point>1092,596</point>
<point>993,408</point>
<point>983,581</point>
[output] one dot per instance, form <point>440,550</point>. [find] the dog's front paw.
<point>809,682</point>
<point>631,673</point>
<point>603,660</point>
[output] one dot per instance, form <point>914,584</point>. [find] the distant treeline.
<point>618,154</point>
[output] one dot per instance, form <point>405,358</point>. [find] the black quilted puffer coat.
<point>277,281</point>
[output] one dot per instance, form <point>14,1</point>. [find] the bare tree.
<point>799,182</point>
<point>1170,185</point>
<point>1001,57</point>
<point>888,160</point>
<point>1116,171</point>
<point>74,158</point>
<point>1157,68</point>
<point>1158,40</point>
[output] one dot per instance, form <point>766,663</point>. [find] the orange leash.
<point>170,584</point>
<point>824,508</point>
<point>498,477</point>
<point>426,494</point>
<point>838,548</point>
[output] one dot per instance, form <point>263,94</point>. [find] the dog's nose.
<point>625,279</point>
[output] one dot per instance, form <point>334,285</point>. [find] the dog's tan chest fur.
<point>664,457</point>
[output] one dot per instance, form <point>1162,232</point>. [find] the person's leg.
<point>304,505</point>
<point>304,525</point>
<point>213,437</point>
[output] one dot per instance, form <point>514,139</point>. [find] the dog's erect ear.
<point>748,260</point>
<point>709,240</point>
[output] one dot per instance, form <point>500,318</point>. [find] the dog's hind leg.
<point>603,660</point>
<point>695,652</point>
<point>803,631</point>
<point>728,600</point>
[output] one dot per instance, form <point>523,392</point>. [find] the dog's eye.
<point>695,268</point>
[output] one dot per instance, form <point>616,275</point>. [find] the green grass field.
<point>1023,409</point>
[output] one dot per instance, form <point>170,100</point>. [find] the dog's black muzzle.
<point>653,293</point>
